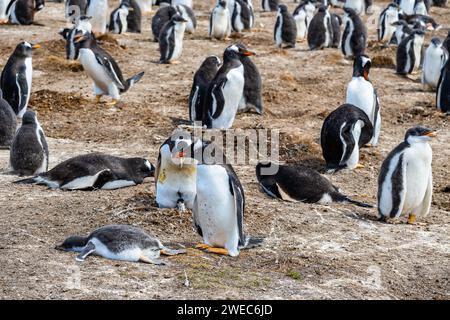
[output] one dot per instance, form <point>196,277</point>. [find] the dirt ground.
<point>310,251</point>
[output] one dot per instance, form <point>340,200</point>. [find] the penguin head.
<point>236,52</point>
<point>39,5</point>
<point>361,66</point>
<point>243,51</point>
<point>25,49</point>
<point>323,9</point>
<point>282,8</point>
<point>29,117</point>
<point>73,243</point>
<point>84,39</point>
<point>181,149</point>
<point>436,42</point>
<point>266,168</point>
<point>177,18</point>
<point>419,134</point>
<point>222,3</point>
<point>211,62</point>
<point>142,168</point>
<point>350,12</point>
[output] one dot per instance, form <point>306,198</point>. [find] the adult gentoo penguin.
<point>285,31</point>
<point>225,90</point>
<point>344,131</point>
<point>241,16</point>
<point>161,17</point>
<point>434,60</point>
<point>252,95</point>
<point>385,23</point>
<point>270,5</point>
<point>118,242</point>
<point>220,21</point>
<point>303,15</point>
<point>443,87</point>
<point>320,30</point>
<point>176,172</point>
<point>118,21</point>
<point>405,183</point>
<point>94,171</point>
<point>17,76</point>
<point>354,37</point>
<point>300,184</point>
<point>361,93</point>
<point>409,53</point>
<point>103,69</point>
<point>29,150</point>
<point>171,39</point>
<point>81,26</point>
<point>202,78</point>
<point>23,11</point>
<point>7,123</point>
<point>98,10</point>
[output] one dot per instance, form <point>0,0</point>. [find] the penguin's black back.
<point>358,36</point>
<point>7,123</point>
<point>24,11</point>
<point>246,14</point>
<point>316,31</point>
<point>161,17</point>
<point>288,29</point>
<point>403,54</point>
<point>335,29</point>
<point>253,83</point>
<point>443,88</point>
<point>167,41</point>
<point>134,18</point>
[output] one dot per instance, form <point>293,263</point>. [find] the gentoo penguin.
<point>171,39</point>
<point>299,184</point>
<point>145,6</point>
<point>23,11</point>
<point>118,242</point>
<point>218,211</point>
<point>361,93</point>
<point>7,123</point>
<point>225,90</point>
<point>220,22</point>
<point>443,87</point>
<point>134,18</point>
<point>405,183</point>
<point>425,22</point>
<point>98,10</point>
<point>320,30</point>
<point>74,9</point>
<point>17,77</point>
<point>118,20</point>
<point>409,53</point>
<point>94,171</point>
<point>407,6</point>
<point>189,15</point>
<point>241,17</point>
<point>270,5</point>
<point>355,34</point>
<point>420,8</point>
<point>285,32</point>
<point>82,26</point>
<point>4,16</point>
<point>361,7</point>
<point>434,60</point>
<point>252,95</point>
<point>303,15</point>
<point>202,78</point>
<point>176,172</point>
<point>344,131</point>
<point>402,30</point>
<point>385,23</point>
<point>161,17</point>
<point>103,69</point>
<point>336,22</point>
<point>29,150</point>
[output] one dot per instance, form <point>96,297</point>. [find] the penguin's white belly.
<point>178,48</point>
<point>432,65</point>
<point>174,183</point>
<point>360,93</point>
<point>421,9</point>
<point>98,10</point>
<point>3,6</point>
<point>130,254</point>
<point>278,38</point>
<point>185,2</point>
<point>29,78</point>
<point>418,42</point>
<point>123,20</point>
<point>407,6</point>
<point>348,48</point>
<point>81,182</point>
<point>357,5</point>
<point>220,23</point>
<point>300,20</point>
<point>12,16</point>
<point>43,166</point>
<point>238,25</point>
<point>145,5</point>
<point>327,42</point>
<point>95,70</point>
<point>354,157</point>
<point>216,213</point>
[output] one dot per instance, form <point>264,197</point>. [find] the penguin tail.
<point>252,242</point>
<point>338,197</point>
<point>25,181</point>
<point>134,79</point>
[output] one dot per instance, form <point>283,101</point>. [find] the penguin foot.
<point>217,250</point>
<point>202,246</point>
<point>174,62</point>
<point>359,166</point>
<point>113,102</point>
<point>97,99</point>
<point>412,219</point>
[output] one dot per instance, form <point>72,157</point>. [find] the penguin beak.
<point>79,38</point>
<point>431,134</point>
<point>366,75</point>
<point>35,46</point>
<point>181,154</point>
<point>248,53</point>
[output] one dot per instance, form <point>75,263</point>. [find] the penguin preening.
<point>285,32</point>
<point>23,11</point>
<point>409,53</point>
<point>118,242</point>
<point>103,69</point>
<point>17,76</point>
<point>225,90</point>
<point>443,87</point>
<point>171,39</point>
<point>385,23</point>
<point>118,21</point>
<point>434,60</point>
<point>303,15</point>
<point>354,36</point>
<point>7,123</point>
<point>94,171</point>
<point>161,17</point>
<point>220,21</point>
<point>202,78</point>
<point>361,93</point>
<point>98,10</point>
<point>320,30</point>
<point>344,132</point>
<point>405,182</point>
<point>299,184</point>
<point>29,150</point>
<point>270,5</point>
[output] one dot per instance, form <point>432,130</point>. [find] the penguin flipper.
<point>239,202</point>
<point>88,249</point>
<point>110,70</point>
<point>26,181</point>
<point>219,98</point>
<point>131,81</point>
<point>22,90</point>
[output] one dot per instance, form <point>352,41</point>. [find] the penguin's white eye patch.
<point>27,44</point>
<point>234,48</point>
<point>364,61</point>
<point>148,165</point>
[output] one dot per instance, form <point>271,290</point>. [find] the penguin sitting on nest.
<point>103,69</point>
<point>299,184</point>
<point>119,242</point>
<point>405,183</point>
<point>94,171</point>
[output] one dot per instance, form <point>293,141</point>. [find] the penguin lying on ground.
<point>409,53</point>
<point>405,183</point>
<point>285,32</point>
<point>29,149</point>
<point>8,123</point>
<point>23,11</point>
<point>118,242</point>
<point>344,131</point>
<point>299,184</point>
<point>94,171</point>
<point>17,76</point>
<point>320,30</point>
<point>354,36</point>
<point>220,22</point>
<point>103,69</point>
<point>385,23</point>
<point>171,39</point>
<point>435,57</point>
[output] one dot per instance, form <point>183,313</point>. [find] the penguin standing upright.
<point>103,69</point>
<point>285,32</point>
<point>7,123</point>
<point>118,21</point>
<point>98,10</point>
<point>252,95</point>
<point>303,15</point>
<point>320,30</point>
<point>29,150</point>
<point>134,18</point>
<point>17,77</point>
<point>161,17</point>
<point>189,15</point>
<point>361,93</point>
<point>23,11</point>
<point>443,87</point>
<point>434,60</point>
<point>82,26</point>
<point>225,90</point>
<point>270,5</point>
<point>241,17</point>
<point>220,22</point>
<point>202,78</point>
<point>385,23</point>
<point>409,52</point>
<point>336,22</point>
<point>354,37</point>
<point>344,131</point>
<point>171,39</point>
<point>405,183</point>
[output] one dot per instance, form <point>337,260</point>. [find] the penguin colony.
<point>222,87</point>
